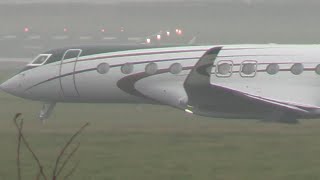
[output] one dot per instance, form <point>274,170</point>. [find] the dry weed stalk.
<point>57,170</point>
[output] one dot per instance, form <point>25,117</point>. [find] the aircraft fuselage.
<point>270,77</point>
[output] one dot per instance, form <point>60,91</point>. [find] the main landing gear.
<point>282,117</point>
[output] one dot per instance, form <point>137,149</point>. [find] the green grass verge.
<point>156,142</point>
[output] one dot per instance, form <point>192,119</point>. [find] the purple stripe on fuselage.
<point>137,54</point>
<point>111,66</point>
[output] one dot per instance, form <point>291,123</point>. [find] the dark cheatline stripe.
<point>69,74</point>
<point>137,54</point>
<point>254,55</point>
<point>127,84</point>
<point>64,75</point>
<point>112,66</point>
<point>244,48</point>
<point>165,60</point>
<point>264,63</point>
<point>97,49</point>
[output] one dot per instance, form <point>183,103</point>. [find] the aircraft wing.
<point>204,96</point>
<point>271,102</point>
<point>198,92</point>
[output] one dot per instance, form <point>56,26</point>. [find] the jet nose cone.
<point>10,86</point>
<point>6,87</point>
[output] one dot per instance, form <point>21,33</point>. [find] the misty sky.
<point>215,22</point>
<point>121,1</point>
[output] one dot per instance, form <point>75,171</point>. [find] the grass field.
<point>127,142</point>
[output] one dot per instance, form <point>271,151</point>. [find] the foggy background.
<point>152,142</point>
<point>32,27</point>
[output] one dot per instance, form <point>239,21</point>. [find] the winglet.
<point>197,83</point>
<point>200,74</point>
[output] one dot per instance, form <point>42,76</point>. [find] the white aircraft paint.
<point>247,89</point>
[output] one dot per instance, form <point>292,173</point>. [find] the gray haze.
<point>125,1</point>
<point>213,22</point>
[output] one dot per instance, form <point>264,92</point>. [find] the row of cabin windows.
<point>249,69</point>
<point>223,68</point>
<point>150,68</point>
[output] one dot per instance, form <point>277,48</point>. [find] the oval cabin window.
<point>224,68</point>
<point>151,68</point>
<point>248,68</point>
<point>175,68</point>
<point>103,68</point>
<point>273,69</point>
<point>127,68</point>
<point>297,69</point>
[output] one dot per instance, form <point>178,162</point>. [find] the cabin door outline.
<point>67,73</point>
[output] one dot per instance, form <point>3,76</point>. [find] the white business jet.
<point>273,82</point>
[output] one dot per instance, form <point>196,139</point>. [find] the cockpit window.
<point>40,60</point>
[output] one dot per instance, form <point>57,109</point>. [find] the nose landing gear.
<point>46,110</point>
